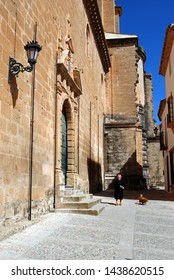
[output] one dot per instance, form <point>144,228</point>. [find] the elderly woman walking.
<point>118,187</point>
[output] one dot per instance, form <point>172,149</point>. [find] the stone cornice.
<point>113,121</point>
<point>153,139</point>
<point>168,43</point>
<point>120,125</point>
<point>141,52</point>
<point>120,40</point>
<point>94,18</point>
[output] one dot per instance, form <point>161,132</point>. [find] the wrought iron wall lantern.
<point>32,48</point>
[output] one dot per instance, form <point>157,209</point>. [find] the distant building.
<point>166,108</point>
<point>130,144</point>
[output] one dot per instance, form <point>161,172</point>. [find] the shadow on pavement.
<point>150,194</point>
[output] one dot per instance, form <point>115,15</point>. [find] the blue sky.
<point>149,20</point>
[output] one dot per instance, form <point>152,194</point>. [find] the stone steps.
<point>95,210</point>
<point>80,204</point>
<point>77,198</point>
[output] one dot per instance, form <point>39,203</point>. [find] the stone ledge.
<point>80,204</point>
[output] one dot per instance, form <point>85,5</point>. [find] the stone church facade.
<point>83,111</point>
<point>69,103</point>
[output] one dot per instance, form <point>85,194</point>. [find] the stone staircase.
<point>80,204</point>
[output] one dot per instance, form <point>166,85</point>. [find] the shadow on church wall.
<point>132,173</point>
<point>94,176</point>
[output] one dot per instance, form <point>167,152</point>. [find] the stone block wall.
<point>154,155</point>
<point>55,21</point>
<point>109,15</point>
<point>118,150</point>
<point>156,165</point>
<point>149,123</point>
<point>122,82</point>
<point>121,155</point>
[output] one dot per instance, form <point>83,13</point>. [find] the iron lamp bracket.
<point>16,67</point>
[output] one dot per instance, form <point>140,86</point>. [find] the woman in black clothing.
<point>118,187</point>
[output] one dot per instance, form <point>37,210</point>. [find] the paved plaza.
<point>130,231</point>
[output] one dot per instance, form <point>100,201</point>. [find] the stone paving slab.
<point>149,254</point>
<point>156,229</point>
<point>167,221</point>
<point>153,242</point>
<point>131,231</point>
<point>72,251</point>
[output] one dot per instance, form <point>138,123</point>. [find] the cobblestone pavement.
<point>130,231</point>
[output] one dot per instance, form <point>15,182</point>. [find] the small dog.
<point>142,199</point>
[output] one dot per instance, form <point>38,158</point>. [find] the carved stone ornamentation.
<point>60,41</point>
<point>65,47</point>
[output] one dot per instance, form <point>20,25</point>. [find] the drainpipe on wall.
<point>32,134</point>
<point>90,147</point>
<point>55,138</point>
<point>78,135</point>
<point>98,127</point>
<point>104,153</point>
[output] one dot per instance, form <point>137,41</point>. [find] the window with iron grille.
<point>170,110</point>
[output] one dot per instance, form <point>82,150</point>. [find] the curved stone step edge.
<point>95,210</point>
<point>76,198</point>
<point>86,204</point>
